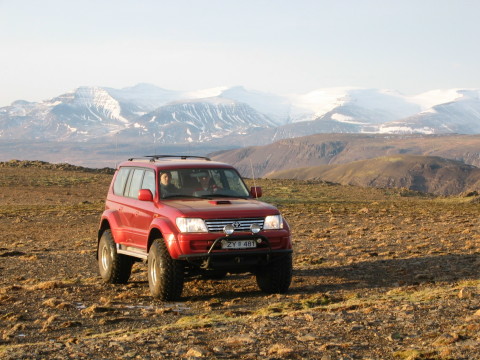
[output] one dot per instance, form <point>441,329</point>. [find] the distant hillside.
<point>49,166</point>
<point>429,174</point>
<point>322,149</point>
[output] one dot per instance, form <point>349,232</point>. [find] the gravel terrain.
<point>378,274</point>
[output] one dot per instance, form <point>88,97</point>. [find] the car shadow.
<point>388,273</point>
<point>375,273</point>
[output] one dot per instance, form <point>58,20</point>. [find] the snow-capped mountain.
<point>93,112</point>
<point>277,108</point>
<point>79,114</point>
<point>353,110</point>
<point>226,115</point>
<point>199,120</point>
<point>459,115</point>
<point>143,98</point>
<point>353,105</point>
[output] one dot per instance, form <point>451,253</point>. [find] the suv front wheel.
<point>165,275</point>
<point>114,268</point>
<point>276,277</point>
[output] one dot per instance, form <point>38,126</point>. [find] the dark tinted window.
<point>120,180</point>
<point>204,182</point>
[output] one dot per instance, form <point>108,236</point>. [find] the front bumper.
<point>245,259</point>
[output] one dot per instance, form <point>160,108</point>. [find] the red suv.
<point>188,215</point>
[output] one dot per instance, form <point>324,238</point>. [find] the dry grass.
<point>378,274</point>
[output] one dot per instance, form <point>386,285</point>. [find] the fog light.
<point>228,229</point>
<point>255,228</point>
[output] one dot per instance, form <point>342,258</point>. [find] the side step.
<point>131,251</point>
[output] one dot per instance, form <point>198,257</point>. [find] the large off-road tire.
<point>276,277</point>
<point>165,275</point>
<point>114,268</point>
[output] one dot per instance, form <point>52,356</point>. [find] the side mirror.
<point>256,192</point>
<point>145,195</point>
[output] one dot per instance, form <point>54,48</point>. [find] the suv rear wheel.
<point>165,275</point>
<point>276,277</point>
<point>114,268</point>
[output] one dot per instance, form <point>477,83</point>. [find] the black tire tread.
<point>276,277</point>
<point>170,283</point>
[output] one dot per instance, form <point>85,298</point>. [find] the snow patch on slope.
<point>101,100</point>
<point>431,98</point>
<point>204,93</point>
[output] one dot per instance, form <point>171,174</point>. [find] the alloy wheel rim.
<point>153,271</point>
<point>105,258</point>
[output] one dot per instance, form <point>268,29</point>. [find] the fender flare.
<point>286,226</point>
<point>109,220</point>
<point>169,233</point>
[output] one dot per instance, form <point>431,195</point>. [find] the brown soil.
<point>377,275</point>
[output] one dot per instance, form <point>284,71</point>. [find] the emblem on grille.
<point>236,224</point>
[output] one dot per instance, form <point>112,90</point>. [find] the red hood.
<point>218,208</point>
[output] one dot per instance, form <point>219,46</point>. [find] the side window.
<point>120,180</point>
<point>216,177</point>
<point>234,181</point>
<point>135,183</point>
<point>175,178</point>
<point>149,181</point>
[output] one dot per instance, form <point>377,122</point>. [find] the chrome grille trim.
<point>241,224</point>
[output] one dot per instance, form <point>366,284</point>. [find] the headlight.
<point>273,222</point>
<point>188,225</point>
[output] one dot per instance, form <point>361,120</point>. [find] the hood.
<point>222,208</point>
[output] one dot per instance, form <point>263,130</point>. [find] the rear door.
<point>116,203</point>
<point>139,214</point>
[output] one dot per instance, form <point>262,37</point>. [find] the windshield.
<point>201,183</point>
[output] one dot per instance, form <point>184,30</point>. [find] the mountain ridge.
<point>100,112</point>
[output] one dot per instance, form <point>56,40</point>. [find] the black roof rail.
<point>183,157</point>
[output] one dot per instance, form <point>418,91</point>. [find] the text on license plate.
<point>239,244</point>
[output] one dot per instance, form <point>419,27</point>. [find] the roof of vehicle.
<point>174,162</point>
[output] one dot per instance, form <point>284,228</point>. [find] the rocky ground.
<point>378,274</point>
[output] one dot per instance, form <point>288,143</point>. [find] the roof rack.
<point>183,157</point>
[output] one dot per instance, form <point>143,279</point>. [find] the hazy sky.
<point>49,47</point>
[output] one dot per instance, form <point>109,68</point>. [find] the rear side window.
<point>135,183</point>
<point>120,181</point>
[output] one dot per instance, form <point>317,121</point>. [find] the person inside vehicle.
<point>166,185</point>
<point>206,182</point>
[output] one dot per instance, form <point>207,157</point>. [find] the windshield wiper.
<point>211,196</point>
<point>178,196</point>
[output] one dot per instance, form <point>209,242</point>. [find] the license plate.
<point>239,244</point>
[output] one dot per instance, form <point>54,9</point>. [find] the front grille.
<point>243,224</point>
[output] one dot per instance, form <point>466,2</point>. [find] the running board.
<point>134,253</point>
